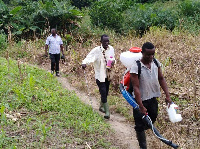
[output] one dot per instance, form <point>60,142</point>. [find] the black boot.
<point>141,139</point>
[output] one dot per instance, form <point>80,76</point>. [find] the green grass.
<point>52,117</point>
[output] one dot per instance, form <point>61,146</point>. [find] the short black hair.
<point>147,45</point>
<point>104,35</point>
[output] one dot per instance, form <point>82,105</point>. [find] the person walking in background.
<point>55,44</point>
<point>146,84</point>
<point>99,56</point>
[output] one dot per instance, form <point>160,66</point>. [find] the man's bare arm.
<point>163,85</point>
<point>135,84</point>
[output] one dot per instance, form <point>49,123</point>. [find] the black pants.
<point>152,108</point>
<point>103,89</point>
<point>55,58</point>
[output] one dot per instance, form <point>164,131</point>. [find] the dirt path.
<point>124,132</point>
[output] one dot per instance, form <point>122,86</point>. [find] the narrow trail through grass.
<point>37,112</point>
<point>124,132</point>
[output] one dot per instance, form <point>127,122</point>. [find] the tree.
<point>83,3</point>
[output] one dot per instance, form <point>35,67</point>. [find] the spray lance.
<point>146,119</point>
<point>128,58</point>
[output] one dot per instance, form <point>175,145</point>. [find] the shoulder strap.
<point>139,67</point>
<point>155,61</point>
<point>130,90</point>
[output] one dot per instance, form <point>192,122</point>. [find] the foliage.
<point>149,1</point>
<point>189,8</point>
<point>189,15</point>
<point>66,16</point>
<point>108,13</point>
<point>125,16</point>
<point>31,18</point>
<point>25,19</point>
<point>52,114</point>
<point>149,16</point>
<point>3,41</point>
<point>177,51</point>
<point>83,3</point>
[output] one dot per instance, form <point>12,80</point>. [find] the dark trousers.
<point>55,58</point>
<point>152,108</point>
<point>103,89</point>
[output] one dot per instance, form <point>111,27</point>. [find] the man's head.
<point>148,51</point>
<point>53,31</point>
<point>105,41</point>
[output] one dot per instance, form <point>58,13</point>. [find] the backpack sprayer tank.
<point>127,59</point>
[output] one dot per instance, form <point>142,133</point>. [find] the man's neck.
<point>145,62</point>
<point>104,48</point>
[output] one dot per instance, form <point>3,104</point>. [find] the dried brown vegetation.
<point>180,55</point>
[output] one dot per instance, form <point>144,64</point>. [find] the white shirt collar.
<point>52,35</point>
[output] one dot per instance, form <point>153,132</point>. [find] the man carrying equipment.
<point>146,87</point>
<point>99,57</point>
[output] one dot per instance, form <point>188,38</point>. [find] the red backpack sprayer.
<point>127,58</point>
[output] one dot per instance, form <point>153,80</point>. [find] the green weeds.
<point>3,41</point>
<point>49,112</point>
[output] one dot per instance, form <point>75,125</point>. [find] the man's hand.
<point>113,63</point>
<point>63,56</point>
<point>46,55</point>
<point>83,66</point>
<point>168,100</point>
<point>143,110</point>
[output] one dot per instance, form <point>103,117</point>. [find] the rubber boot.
<point>141,139</point>
<point>101,108</point>
<point>106,107</point>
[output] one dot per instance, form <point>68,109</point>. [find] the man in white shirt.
<point>55,44</point>
<point>99,57</point>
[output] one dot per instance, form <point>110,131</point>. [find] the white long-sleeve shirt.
<point>97,58</point>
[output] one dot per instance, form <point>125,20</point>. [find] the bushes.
<point>29,17</point>
<point>26,18</point>
<point>190,8</point>
<point>3,41</point>
<point>107,13</point>
<point>149,1</point>
<point>141,17</point>
<point>190,15</point>
<point>125,16</point>
<point>81,4</point>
